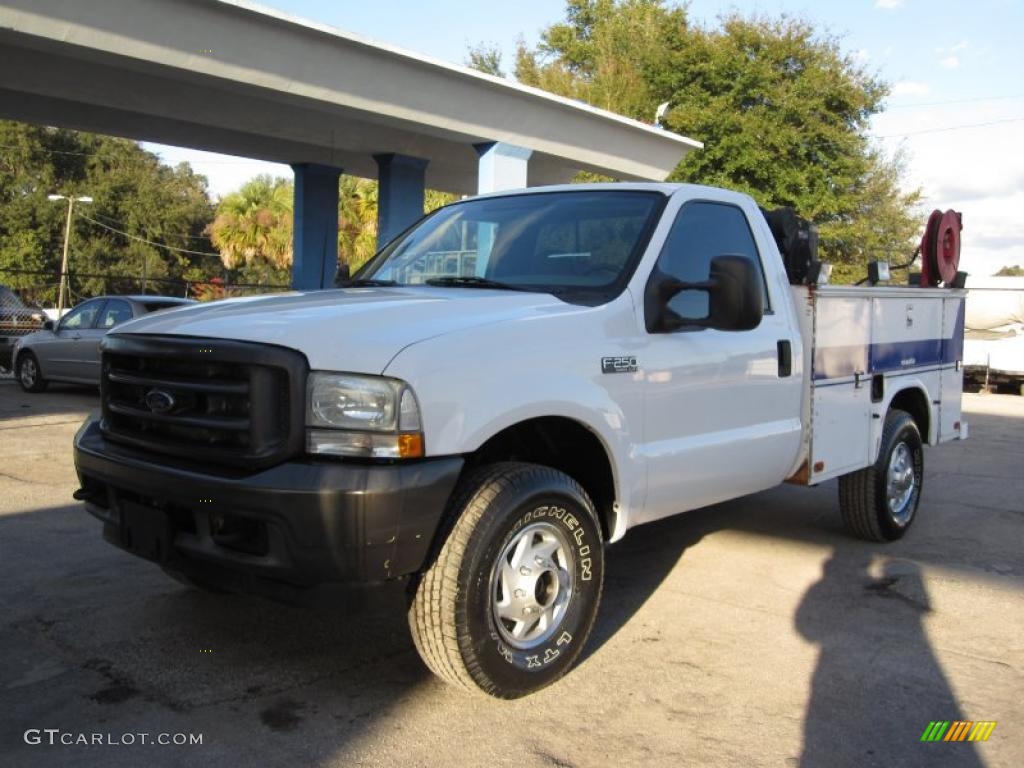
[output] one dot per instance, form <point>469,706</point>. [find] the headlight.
<point>368,416</point>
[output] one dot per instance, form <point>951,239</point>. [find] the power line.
<point>215,280</point>
<point>112,222</point>
<point>46,151</point>
<point>955,101</point>
<point>239,161</point>
<point>148,242</point>
<point>949,128</point>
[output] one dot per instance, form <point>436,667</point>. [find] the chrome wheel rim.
<point>900,483</point>
<point>531,585</point>
<point>28,372</point>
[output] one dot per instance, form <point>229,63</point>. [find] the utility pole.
<point>67,242</point>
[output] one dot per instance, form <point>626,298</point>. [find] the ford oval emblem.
<point>160,401</point>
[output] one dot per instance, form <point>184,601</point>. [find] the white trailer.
<point>994,337</point>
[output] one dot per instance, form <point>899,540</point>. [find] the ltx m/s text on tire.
<point>508,604</point>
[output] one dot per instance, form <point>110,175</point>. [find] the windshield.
<point>588,240</point>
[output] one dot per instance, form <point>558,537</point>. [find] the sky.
<point>956,72</point>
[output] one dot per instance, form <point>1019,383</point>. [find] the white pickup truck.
<point>509,385</point>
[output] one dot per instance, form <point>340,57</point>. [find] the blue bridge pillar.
<point>502,166</point>
<point>402,184</point>
<point>315,227</point>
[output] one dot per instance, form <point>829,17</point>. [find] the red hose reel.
<point>940,248</point>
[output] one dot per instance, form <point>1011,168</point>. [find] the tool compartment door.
<point>840,388</point>
<point>951,387</point>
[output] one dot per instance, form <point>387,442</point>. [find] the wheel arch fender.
<point>910,395</point>
<point>567,444</point>
<point>20,353</point>
<point>469,423</point>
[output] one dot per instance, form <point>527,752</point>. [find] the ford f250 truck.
<point>506,387</point>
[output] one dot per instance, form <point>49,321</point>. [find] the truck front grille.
<point>208,400</point>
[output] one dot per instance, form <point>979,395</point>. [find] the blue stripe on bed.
<point>833,362</point>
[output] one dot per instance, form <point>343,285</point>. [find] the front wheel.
<point>879,503</point>
<point>28,373</point>
<point>508,604</point>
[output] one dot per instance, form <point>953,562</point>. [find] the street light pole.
<point>67,242</point>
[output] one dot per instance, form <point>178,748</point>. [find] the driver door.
<point>59,358</point>
<point>722,413</point>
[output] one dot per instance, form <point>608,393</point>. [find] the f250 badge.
<point>618,364</point>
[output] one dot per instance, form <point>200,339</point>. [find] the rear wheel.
<point>29,376</point>
<point>509,602</point>
<point>879,503</point>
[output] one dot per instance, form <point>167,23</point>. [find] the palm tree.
<point>357,221</point>
<point>253,226</point>
<point>252,229</point>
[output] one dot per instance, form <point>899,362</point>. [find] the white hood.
<point>352,329</point>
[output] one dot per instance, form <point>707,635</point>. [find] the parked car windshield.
<point>554,241</point>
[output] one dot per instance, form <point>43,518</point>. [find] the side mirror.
<point>735,298</point>
<point>342,275</point>
<point>48,325</point>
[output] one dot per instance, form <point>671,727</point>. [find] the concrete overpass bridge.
<point>230,77</point>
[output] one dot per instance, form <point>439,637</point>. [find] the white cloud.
<point>225,173</point>
<point>910,88</point>
<point>978,171</point>
<point>888,5</point>
<point>861,55</point>
<point>948,55</point>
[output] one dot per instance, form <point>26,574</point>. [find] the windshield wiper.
<point>365,282</point>
<point>472,281</point>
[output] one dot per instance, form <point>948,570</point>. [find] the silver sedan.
<point>70,350</point>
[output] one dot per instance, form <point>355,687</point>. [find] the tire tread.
<point>858,491</point>
<point>434,616</point>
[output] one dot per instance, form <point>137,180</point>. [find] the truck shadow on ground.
<point>89,634</point>
<point>57,399</point>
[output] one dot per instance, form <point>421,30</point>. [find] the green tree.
<point>252,230</point>
<point>1008,271</point>
<point>485,58</point>
<point>143,219</point>
<point>782,111</point>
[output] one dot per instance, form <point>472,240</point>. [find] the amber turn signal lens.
<point>410,445</point>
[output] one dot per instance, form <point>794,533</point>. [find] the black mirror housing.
<point>342,275</point>
<point>48,325</point>
<point>735,298</point>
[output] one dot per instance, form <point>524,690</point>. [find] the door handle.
<point>785,352</point>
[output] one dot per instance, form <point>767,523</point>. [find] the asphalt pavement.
<point>752,633</point>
